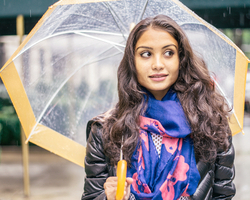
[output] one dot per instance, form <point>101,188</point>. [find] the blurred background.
<point>51,177</point>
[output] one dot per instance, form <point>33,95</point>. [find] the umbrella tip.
<point>26,142</point>
<point>55,4</point>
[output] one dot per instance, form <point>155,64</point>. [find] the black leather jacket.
<point>215,183</point>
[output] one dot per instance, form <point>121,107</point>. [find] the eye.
<point>145,54</point>
<point>169,53</point>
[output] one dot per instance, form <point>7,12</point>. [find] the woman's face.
<point>157,61</point>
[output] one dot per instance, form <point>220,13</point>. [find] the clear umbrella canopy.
<point>64,73</point>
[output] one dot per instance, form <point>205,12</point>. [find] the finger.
<point>126,194</point>
<point>110,187</point>
<point>129,180</point>
<point>110,182</point>
<point>110,194</point>
<point>112,179</point>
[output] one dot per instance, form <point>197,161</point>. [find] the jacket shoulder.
<point>224,187</point>
<point>226,158</point>
<point>95,126</point>
<point>217,178</point>
<point>96,167</point>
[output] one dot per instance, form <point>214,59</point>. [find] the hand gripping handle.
<point>121,175</point>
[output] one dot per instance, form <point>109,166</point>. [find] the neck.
<point>158,95</point>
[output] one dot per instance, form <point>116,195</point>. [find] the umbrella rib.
<point>65,17</point>
<point>220,89</point>
<point>67,32</point>
<point>143,11</point>
<point>54,95</point>
<point>109,42</point>
<point>113,15</point>
<point>238,122</point>
<point>90,17</point>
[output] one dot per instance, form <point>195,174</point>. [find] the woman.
<point>177,141</point>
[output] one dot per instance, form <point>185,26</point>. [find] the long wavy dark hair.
<point>205,109</point>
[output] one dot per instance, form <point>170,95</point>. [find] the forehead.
<point>156,36</point>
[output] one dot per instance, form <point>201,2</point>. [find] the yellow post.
<point>25,147</point>
<point>20,27</point>
<point>25,153</point>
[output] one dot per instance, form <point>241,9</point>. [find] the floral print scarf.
<point>174,173</point>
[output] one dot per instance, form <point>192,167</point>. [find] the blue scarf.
<point>174,174</point>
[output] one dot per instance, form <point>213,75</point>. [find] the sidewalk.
<point>51,177</point>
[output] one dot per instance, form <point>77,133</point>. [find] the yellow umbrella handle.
<point>121,175</point>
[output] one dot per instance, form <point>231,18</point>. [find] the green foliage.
<point>9,123</point>
<point>229,33</point>
<point>241,37</point>
<point>246,36</point>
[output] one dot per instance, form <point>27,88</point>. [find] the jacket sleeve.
<point>224,188</point>
<point>217,179</point>
<point>205,188</point>
<point>96,167</point>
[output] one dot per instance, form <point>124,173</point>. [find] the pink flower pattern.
<point>174,174</point>
<point>170,143</point>
<point>180,174</point>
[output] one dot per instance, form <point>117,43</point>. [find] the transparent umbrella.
<point>64,73</point>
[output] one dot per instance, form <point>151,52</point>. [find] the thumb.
<point>129,180</point>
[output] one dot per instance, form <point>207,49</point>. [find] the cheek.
<point>139,76</point>
<point>140,71</point>
<point>175,72</point>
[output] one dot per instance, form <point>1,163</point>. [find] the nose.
<point>158,63</point>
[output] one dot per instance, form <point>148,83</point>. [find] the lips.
<point>158,77</point>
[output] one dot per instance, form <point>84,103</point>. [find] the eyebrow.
<point>152,48</point>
